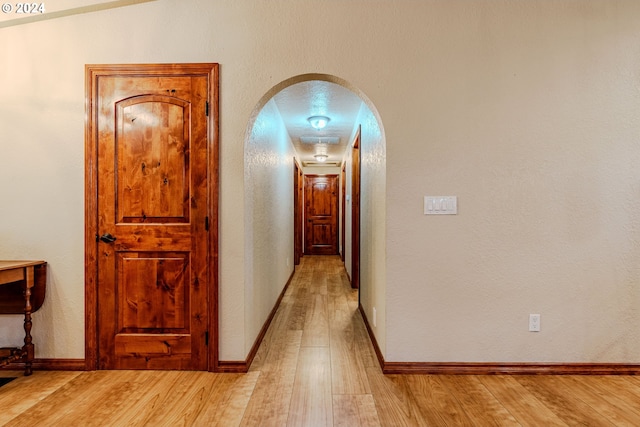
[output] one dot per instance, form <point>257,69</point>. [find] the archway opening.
<point>279,139</point>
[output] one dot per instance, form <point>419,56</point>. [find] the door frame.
<point>355,210</point>
<point>298,206</point>
<point>92,74</point>
<point>343,210</point>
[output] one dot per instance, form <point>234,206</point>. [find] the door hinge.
<point>206,223</point>
<point>206,109</point>
<point>206,338</point>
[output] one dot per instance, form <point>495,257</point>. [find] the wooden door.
<point>321,214</point>
<point>155,177</point>
<point>355,213</point>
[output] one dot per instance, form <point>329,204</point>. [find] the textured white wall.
<point>372,219</point>
<point>527,111</point>
<point>372,222</point>
<point>41,185</point>
<point>268,174</point>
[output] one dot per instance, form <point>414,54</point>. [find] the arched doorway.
<point>279,137</point>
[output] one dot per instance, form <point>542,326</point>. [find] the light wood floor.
<point>316,367</point>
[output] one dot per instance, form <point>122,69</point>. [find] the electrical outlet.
<point>534,323</point>
<point>374,317</point>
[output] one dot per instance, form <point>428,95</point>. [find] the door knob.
<point>107,238</point>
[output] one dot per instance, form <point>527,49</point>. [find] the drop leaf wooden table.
<point>22,289</point>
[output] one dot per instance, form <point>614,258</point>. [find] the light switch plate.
<point>440,205</point>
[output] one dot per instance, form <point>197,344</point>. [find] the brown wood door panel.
<point>153,192</point>
<point>153,351</point>
<point>153,292</point>
<point>321,213</point>
<point>153,164</point>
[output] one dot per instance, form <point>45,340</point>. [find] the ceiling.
<point>300,101</point>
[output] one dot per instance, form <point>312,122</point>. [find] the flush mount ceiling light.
<point>318,122</point>
<point>321,152</point>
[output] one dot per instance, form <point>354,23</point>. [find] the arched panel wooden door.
<point>321,214</point>
<point>152,162</point>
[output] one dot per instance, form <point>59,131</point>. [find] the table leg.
<point>28,348</point>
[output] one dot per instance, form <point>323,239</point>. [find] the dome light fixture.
<point>318,122</point>
<point>321,154</point>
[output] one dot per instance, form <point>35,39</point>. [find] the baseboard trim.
<point>50,365</point>
<point>232,367</point>
<point>454,368</point>
<point>372,337</point>
<point>464,368</point>
<point>242,366</point>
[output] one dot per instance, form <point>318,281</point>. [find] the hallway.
<point>315,367</point>
<point>318,352</point>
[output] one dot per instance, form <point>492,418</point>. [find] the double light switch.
<point>440,205</point>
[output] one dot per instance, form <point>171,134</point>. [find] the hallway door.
<point>153,214</point>
<point>321,214</point>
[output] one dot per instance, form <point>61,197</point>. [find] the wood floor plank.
<point>298,308</point>
<point>228,400</point>
<point>282,353</point>
<point>625,386</point>
<point>278,327</point>
<point>181,405</point>
<point>126,398</point>
<point>23,393</point>
<point>74,397</point>
<point>619,406</point>
<point>118,399</point>
<point>136,401</point>
<point>567,406</point>
<point>482,408</point>
<point>11,374</point>
<point>395,405</point>
<point>348,371</point>
<point>355,411</point>
<point>366,353</point>
<point>296,297</point>
<point>436,404</point>
<point>318,284</point>
<point>633,379</point>
<point>520,402</point>
<point>316,325</point>
<point>271,398</point>
<point>311,400</point>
